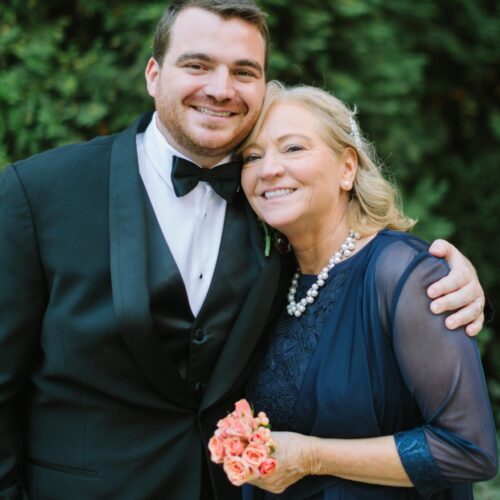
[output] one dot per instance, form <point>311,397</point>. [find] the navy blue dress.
<point>368,359</point>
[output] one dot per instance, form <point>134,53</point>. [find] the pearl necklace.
<point>297,309</point>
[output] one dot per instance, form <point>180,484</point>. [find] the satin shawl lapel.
<point>249,325</point>
<point>128,261</point>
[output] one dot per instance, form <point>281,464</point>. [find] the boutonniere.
<point>273,238</point>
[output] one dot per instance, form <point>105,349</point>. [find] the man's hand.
<point>459,291</point>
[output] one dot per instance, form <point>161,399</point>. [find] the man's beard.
<point>179,132</point>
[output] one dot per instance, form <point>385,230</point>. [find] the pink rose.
<point>234,446</point>
<point>242,409</point>
<point>260,436</point>
<point>237,471</point>
<point>243,444</point>
<point>217,451</point>
<point>240,427</point>
<point>254,455</point>
<point>268,466</point>
<point>223,425</point>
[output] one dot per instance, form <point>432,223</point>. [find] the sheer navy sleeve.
<point>442,370</point>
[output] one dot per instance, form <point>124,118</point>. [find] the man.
<point>132,304</point>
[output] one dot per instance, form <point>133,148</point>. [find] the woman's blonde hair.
<point>374,202</point>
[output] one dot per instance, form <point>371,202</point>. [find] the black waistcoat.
<point>194,344</point>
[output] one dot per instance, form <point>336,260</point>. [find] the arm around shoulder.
<point>459,291</point>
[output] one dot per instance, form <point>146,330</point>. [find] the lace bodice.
<point>276,382</point>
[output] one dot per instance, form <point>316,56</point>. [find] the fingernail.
<point>435,308</point>
<point>431,291</point>
<point>451,324</point>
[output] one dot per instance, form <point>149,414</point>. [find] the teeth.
<point>210,112</point>
<point>278,193</point>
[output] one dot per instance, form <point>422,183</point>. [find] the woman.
<point>368,393</point>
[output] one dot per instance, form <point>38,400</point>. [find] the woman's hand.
<point>369,460</point>
<point>459,291</point>
<point>295,458</point>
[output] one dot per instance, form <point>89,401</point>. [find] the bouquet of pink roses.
<point>243,444</point>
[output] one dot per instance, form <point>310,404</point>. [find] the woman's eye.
<point>293,147</point>
<point>250,158</point>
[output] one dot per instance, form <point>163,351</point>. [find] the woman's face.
<point>291,177</point>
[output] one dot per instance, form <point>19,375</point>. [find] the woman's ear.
<point>349,166</point>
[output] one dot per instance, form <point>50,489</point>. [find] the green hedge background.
<point>423,75</point>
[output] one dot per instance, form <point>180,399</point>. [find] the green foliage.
<point>70,71</point>
<point>423,75</point>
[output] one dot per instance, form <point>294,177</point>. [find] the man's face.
<point>209,89</point>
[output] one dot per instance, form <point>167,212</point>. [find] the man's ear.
<point>152,74</point>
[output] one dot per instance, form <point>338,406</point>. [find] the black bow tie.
<point>224,179</point>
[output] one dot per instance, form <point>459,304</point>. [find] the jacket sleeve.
<point>443,372</point>
<point>23,298</point>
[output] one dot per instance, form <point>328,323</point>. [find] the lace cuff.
<point>418,462</point>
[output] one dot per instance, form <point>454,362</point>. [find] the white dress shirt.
<point>192,224</point>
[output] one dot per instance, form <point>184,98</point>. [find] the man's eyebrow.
<point>193,55</point>
<point>201,56</point>
<point>250,63</point>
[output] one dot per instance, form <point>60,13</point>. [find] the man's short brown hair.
<point>246,10</point>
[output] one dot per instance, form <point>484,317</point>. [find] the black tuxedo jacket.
<point>91,404</point>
